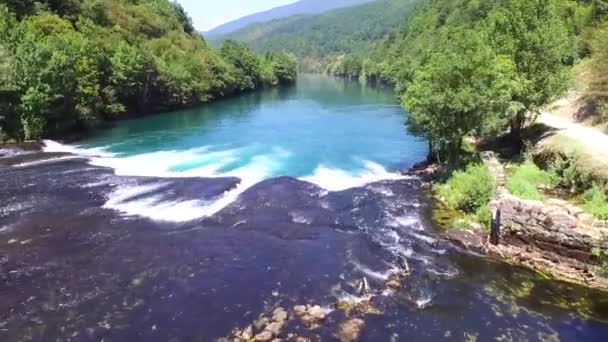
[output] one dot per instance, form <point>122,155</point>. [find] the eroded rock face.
<point>551,227</point>
<point>553,237</point>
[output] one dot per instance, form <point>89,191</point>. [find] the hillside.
<point>68,66</point>
<point>341,31</point>
<point>299,8</point>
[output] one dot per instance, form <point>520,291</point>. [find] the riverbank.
<point>553,237</point>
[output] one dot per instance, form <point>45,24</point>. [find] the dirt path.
<point>594,140</point>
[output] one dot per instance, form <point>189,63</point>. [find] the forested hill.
<point>341,31</point>
<point>69,65</point>
<point>480,68</point>
<point>299,8</point>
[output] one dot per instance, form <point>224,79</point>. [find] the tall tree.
<point>536,39</point>
<point>465,89</point>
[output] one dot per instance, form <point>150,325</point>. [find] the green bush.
<point>601,252</point>
<point>469,190</point>
<point>596,202</point>
<point>569,174</point>
<point>525,179</point>
<point>483,215</point>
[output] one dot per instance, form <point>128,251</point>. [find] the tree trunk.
<point>454,150</point>
<point>517,126</point>
<point>431,156</point>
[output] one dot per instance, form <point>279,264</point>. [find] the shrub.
<point>601,252</point>
<point>596,202</point>
<point>569,174</point>
<point>483,215</point>
<point>469,190</point>
<point>525,180</point>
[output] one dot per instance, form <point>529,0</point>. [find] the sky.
<point>207,14</point>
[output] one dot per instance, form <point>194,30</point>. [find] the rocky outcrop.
<point>553,237</point>
<point>553,226</point>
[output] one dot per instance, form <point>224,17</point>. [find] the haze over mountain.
<point>299,8</point>
<point>341,31</point>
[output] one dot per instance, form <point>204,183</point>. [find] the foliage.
<point>470,190</point>
<point>349,30</point>
<point>569,173</point>
<point>69,65</point>
<point>525,179</point>
<point>302,7</point>
<point>462,89</point>
<point>601,252</point>
<point>599,66</point>
<point>469,67</point>
<point>453,89</point>
<point>246,64</point>
<point>348,66</point>
<point>595,202</point>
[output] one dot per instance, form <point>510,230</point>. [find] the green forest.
<point>478,68</point>
<point>70,65</point>
<point>315,39</point>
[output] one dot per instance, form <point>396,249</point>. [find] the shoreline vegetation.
<point>72,65</point>
<point>474,76</point>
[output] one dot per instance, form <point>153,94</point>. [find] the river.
<point>188,226</point>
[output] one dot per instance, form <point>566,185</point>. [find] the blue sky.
<point>208,14</point>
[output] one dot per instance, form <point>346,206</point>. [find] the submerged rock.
<point>394,284</point>
<point>350,331</point>
<point>264,336</point>
<point>311,315</point>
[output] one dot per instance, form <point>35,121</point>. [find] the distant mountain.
<point>298,8</point>
<point>352,30</point>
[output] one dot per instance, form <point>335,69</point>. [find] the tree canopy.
<point>317,39</point>
<point>69,65</point>
<point>470,67</point>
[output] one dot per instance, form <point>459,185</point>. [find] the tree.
<point>130,78</point>
<point>465,89</point>
<point>536,39</point>
<point>245,62</point>
<point>284,66</point>
<point>66,65</point>
<point>599,65</point>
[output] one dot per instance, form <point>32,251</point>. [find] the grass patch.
<point>466,195</point>
<point>525,179</point>
<point>585,159</point>
<point>595,202</point>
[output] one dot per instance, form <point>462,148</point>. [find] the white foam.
<point>55,147</point>
<point>405,221</point>
<point>375,274</point>
<point>424,302</point>
<point>299,218</point>
<point>207,162</point>
<point>334,179</point>
<point>163,164</point>
<point>45,161</point>
<point>151,206</point>
<point>427,239</point>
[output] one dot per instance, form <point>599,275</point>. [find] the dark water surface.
<point>74,268</point>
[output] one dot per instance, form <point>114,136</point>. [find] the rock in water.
<point>279,315</point>
<point>349,331</point>
<point>264,336</point>
<point>393,284</point>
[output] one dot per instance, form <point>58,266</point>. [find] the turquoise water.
<point>319,129</point>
